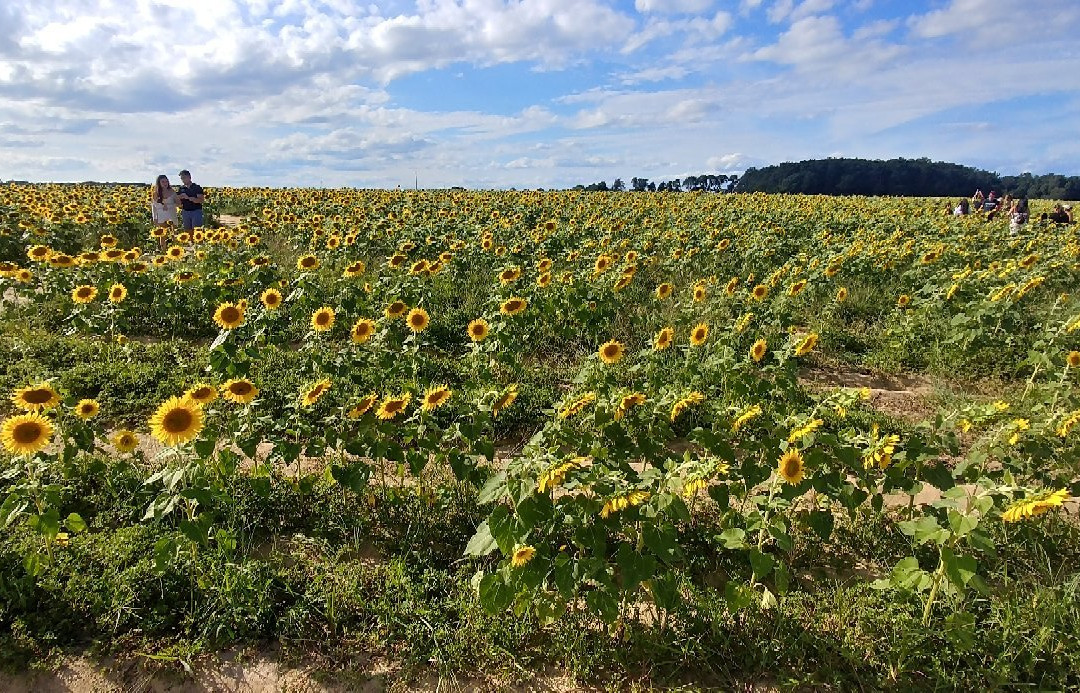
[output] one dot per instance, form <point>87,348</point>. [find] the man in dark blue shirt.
<point>191,201</point>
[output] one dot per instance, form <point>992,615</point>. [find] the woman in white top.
<point>163,204</point>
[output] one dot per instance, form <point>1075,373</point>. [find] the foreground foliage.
<point>448,426</point>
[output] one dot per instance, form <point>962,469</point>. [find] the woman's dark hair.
<point>157,187</point>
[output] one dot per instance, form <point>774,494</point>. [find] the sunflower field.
<point>648,438</point>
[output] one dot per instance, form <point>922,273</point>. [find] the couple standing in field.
<point>165,200</point>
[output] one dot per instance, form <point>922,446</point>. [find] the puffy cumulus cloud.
<point>159,56</point>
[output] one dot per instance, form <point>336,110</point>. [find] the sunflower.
<point>699,293</point>
<point>510,275</point>
<point>176,421</point>
<point>174,252</point>
<point>125,440</point>
<point>622,282</point>
<point>732,284</point>
<point>1035,505</point>
<point>87,409</point>
<point>322,319</point>
<point>841,294</point>
<point>306,263</point>
<point>796,288</point>
<point>417,319</point>
<point>478,330</point>
<point>271,298</point>
<point>903,301</point>
<point>699,334</point>
<point>806,344</point>
<point>522,555</point>
<point>392,406</point>
<point>664,290</point>
<point>760,292</point>
<point>396,309</point>
<point>61,260</point>
<point>362,330</point>
<point>362,406</point>
<point>790,466</point>
<point>757,352</point>
<point>83,293</point>
<point>611,352</point>
<point>229,316</point>
<point>664,338</point>
<point>685,403</point>
<point>435,397</point>
<point>40,397</point>
<point>631,400</point>
<point>117,293</point>
<point>504,400</point>
<point>355,269</point>
<point>23,275</point>
<point>202,394</point>
<point>25,434</point>
<point>39,253</point>
<point>313,393</point>
<point>239,390</point>
<point>1073,359</point>
<point>513,306</point>
<point>751,412</point>
<point>577,405</point>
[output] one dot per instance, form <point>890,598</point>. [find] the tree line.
<point>838,176</point>
<point>706,182</point>
<point>910,177</point>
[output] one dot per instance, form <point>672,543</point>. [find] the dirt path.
<point>246,672</point>
<point>229,220</point>
<point>903,396</point>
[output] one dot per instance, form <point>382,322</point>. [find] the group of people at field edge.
<point>992,205</point>
<point>164,202</point>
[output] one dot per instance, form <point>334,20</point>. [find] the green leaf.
<point>962,524</point>
<point>762,564</point>
<point>959,569</point>
<point>821,522</point>
<point>493,490</point>
<point>960,630</point>
<point>907,575</point>
<point>738,596</point>
<point>634,567</point>
<point>482,542</point>
<point>602,603</point>
<point>75,523</point>
<point>495,594</point>
<point>733,538</point>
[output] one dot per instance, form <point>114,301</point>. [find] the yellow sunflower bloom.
<point>611,352</point>
<point>239,391</point>
<point>40,397</point>
<point>322,319</point>
<point>790,467</point>
<point>435,397</point>
<point>26,434</point>
<point>176,421</point>
<point>229,316</point>
<point>83,293</point>
<point>87,409</point>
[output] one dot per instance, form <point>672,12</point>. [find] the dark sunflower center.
<point>38,396</point>
<point>230,314</point>
<point>240,389</point>
<point>202,393</point>
<point>84,292</point>
<point>28,432</point>
<point>178,421</point>
<point>322,318</point>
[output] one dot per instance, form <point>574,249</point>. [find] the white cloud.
<point>673,6</point>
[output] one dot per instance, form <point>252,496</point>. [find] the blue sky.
<point>528,93</point>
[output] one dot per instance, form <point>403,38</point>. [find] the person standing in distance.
<point>191,201</point>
